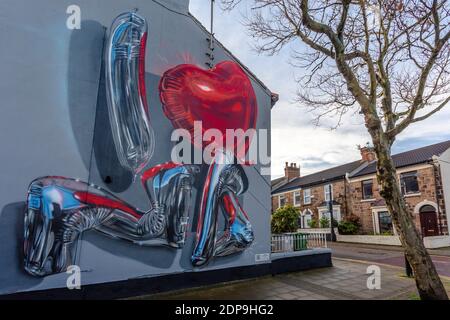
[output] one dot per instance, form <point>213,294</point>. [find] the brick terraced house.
<point>424,176</point>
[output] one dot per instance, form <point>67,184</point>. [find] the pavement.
<point>389,255</point>
<point>346,280</point>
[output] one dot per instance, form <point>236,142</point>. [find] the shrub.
<point>324,222</point>
<point>312,223</point>
<point>347,227</point>
<point>353,219</point>
<point>350,225</point>
<point>285,219</point>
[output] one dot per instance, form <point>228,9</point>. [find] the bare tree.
<point>388,60</point>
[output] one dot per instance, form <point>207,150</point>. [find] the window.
<point>307,218</point>
<point>325,213</point>
<point>385,222</point>
<point>409,183</point>
<point>281,200</point>
<point>307,196</point>
<point>297,198</point>
<point>328,195</point>
<point>427,208</point>
<point>367,189</point>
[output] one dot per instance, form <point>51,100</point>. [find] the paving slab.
<point>346,280</point>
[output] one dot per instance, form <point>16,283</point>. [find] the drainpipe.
<point>330,209</point>
<point>436,172</point>
<point>346,188</point>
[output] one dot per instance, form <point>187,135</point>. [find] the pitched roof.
<point>409,158</point>
<point>331,174</point>
<point>356,168</point>
<point>275,183</point>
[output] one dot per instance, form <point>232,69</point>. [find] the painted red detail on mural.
<point>222,98</point>
<point>229,208</point>
<point>93,199</point>
<point>152,172</point>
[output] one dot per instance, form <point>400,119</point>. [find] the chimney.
<point>291,171</point>
<point>367,153</point>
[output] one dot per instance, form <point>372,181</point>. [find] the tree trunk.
<point>427,279</point>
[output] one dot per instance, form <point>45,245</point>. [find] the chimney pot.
<point>291,171</point>
<point>367,153</point>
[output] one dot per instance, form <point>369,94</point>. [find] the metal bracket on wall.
<point>210,40</point>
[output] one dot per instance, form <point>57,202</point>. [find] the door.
<point>429,223</point>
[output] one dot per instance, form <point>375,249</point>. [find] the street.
<point>388,255</point>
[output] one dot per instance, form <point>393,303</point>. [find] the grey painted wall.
<point>51,88</point>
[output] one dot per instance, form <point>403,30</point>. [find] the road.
<point>388,255</point>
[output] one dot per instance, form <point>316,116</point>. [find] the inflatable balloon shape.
<point>126,93</point>
<point>221,98</point>
<point>169,189</point>
<point>60,209</point>
<point>225,181</point>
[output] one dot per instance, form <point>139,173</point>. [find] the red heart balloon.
<point>222,98</point>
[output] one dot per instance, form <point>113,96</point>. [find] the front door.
<point>429,224</point>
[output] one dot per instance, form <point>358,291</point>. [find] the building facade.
<point>89,179</point>
<point>423,174</point>
<point>310,194</point>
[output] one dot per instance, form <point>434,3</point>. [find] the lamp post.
<point>408,269</point>
<point>330,209</point>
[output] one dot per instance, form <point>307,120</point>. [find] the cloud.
<point>314,148</point>
<point>294,137</point>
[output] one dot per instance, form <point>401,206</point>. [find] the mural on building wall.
<point>222,98</point>
<point>224,182</point>
<point>59,209</point>
<point>126,92</point>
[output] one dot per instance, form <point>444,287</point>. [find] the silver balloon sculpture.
<point>169,188</point>
<point>126,92</point>
<point>224,182</point>
<point>60,209</point>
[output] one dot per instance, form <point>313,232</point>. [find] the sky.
<point>294,136</point>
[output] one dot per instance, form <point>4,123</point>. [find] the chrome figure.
<point>59,210</point>
<point>224,182</point>
<point>126,92</point>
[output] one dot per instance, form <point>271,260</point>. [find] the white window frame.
<point>336,209</point>
<point>376,221</point>
<point>362,190</point>
<point>405,194</point>
<point>295,193</point>
<point>305,201</point>
<point>325,190</point>
<point>279,199</point>
<point>306,214</point>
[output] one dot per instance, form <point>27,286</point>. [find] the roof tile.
<point>403,159</point>
<point>320,177</point>
<point>409,158</point>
